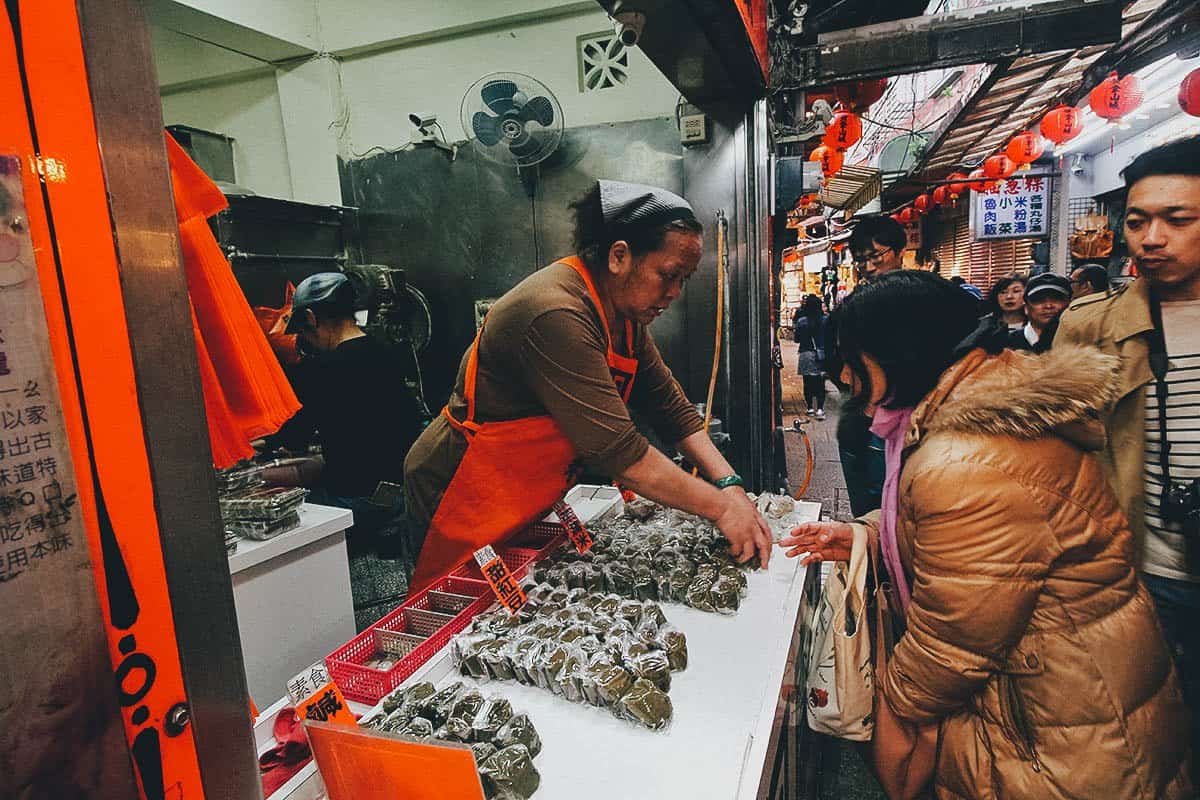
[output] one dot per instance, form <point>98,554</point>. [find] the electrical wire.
<point>716,365</point>
<point>382,149</point>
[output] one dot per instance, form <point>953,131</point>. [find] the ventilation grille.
<point>603,62</point>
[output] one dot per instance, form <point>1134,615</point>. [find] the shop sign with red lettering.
<point>503,584</point>
<point>578,534</point>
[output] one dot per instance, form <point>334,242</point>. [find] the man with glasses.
<point>1153,450</point>
<point>877,245</point>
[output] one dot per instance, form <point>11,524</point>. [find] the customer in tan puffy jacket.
<point>1030,642</point>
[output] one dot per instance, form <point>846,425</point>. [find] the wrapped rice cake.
<point>511,769</point>
<point>519,730</point>
<point>646,704</point>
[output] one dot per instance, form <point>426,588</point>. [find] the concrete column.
<point>311,101</point>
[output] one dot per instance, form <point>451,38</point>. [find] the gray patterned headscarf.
<point>626,204</point>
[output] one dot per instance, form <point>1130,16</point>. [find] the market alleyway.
<point>842,773</point>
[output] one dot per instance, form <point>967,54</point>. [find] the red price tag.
<point>327,705</point>
<point>627,495</point>
<point>578,534</point>
<point>503,584</point>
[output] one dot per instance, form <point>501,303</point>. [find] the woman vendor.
<point>547,387</point>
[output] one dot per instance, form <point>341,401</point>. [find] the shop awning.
<point>852,188</point>
<point>1016,95</point>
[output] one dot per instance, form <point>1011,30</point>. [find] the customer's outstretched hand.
<point>819,541</point>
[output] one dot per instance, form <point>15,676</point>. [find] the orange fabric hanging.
<point>273,322</point>
<point>246,393</point>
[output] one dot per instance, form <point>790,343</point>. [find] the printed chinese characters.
<point>1013,208</point>
<point>34,509</point>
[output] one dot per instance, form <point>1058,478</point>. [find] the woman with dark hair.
<point>1031,664</point>
<point>1006,302</point>
<point>546,390</point>
<point>809,335</point>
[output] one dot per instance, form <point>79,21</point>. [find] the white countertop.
<point>316,523</point>
<point>724,705</point>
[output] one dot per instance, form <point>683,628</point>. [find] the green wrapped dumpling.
<point>511,770</point>
<point>644,703</point>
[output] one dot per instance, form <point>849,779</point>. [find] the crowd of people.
<point>1031,481</point>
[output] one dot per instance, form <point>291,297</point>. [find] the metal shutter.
<point>981,263</point>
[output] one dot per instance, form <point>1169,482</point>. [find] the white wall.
<point>1104,168</point>
<point>396,58</point>
<point>383,88</point>
<point>350,25</point>
<point>248,110</point>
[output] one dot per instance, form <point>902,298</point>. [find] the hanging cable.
<point>716,365</point>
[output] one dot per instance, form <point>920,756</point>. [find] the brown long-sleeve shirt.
<point>543,351</point>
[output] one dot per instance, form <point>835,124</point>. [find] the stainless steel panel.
<point>731,174</point>
<point>468,230</point>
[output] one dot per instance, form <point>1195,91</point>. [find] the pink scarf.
<point>891,425</point>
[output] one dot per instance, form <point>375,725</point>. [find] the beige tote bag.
<point>841,677</point>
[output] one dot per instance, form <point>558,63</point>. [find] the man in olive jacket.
<point>1154,425</point>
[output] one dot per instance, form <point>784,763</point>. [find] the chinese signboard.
<point>578,534</point>
<point>55,646</point>
<point>503,584</point>
<point>317,697</point>
<point>1017,208</point>
<point>305,684</point>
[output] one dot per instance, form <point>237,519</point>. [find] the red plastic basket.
<point>415,632</point>
<point>544,537</point>
<point>518,560</point>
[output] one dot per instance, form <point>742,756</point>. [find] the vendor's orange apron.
<point>512,471</point>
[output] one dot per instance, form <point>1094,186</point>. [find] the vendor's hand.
<point>744,527</point>
<point>822,541</point>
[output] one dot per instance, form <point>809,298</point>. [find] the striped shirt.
<point>1166,553</point>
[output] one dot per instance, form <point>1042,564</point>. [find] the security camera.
<point>628,25</point>
<point>423,119</point>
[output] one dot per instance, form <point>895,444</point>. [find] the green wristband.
<point>729,480</point>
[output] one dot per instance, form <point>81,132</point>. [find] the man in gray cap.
<point>1046,298</point>
<point>358,407</point>
<point>545,392</point>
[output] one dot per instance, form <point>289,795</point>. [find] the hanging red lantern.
<point>998,167</point>
<point>844,130</point>
<point>1115,97</point>
<point>959,184</point>
<point>897,217</point>
<point>906,216</point>
<point>1024,149</point>
<point>1189,93</point>
<point>1061,124</point>
<point>860,94</point>
<point>830,160</point>
<point>923,204</point>
<point>942,196</point>
<point>979,180</point>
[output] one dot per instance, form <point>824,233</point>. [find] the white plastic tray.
<point>724,705</point>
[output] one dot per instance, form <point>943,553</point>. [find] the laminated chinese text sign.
<point>360,764</point>
<point>59,720</point>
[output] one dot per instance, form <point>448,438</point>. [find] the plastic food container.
<point>271,504</point>
<point>261,529</point>
<point>239,478</point>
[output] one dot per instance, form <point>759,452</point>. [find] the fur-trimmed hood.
<point>1023,395</point>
